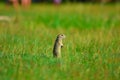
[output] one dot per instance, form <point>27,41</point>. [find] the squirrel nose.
<point>64,36</point>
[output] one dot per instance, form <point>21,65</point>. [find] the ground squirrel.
<point>58,45</point>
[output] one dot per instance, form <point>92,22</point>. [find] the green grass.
<point>91,49</point>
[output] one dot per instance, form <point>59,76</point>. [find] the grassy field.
<point>91,49</point>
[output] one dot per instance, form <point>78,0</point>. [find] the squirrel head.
<point>61,36</point>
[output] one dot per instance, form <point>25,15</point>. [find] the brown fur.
<point>58,45</point>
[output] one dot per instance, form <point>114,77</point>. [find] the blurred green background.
<point>91,49</point>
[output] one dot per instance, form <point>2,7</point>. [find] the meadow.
<point>91,49</point>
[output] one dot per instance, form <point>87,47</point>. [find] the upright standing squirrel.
<point>58,45</point>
